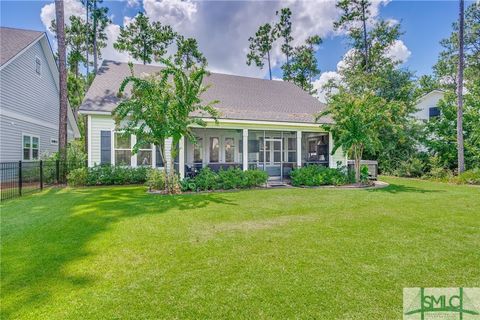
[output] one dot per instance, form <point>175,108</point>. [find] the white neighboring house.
<point>427,105</point>
<point>263,124</point>
<point>29,90</point>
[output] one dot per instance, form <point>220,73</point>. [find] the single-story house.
<point>262,124</point>
<point>29,103</point>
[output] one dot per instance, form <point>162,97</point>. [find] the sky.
<point>222,28</point>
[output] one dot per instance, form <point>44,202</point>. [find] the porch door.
<point>273,157</point>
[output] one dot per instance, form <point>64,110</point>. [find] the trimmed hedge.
<point>232,178</point>
<point>314,175</point>
<point>107,175</point>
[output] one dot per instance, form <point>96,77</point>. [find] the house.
<point>427,105</point>
<point>29,104</point>
<point>263,124</point>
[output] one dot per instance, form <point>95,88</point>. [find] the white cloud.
<point>71,7</point>
<point>171,12</point>
<point>325,77</point>
<point>133,3</point>
<point>399,51</point>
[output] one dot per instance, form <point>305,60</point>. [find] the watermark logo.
<point>441,303</point>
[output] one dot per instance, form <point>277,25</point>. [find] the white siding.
<point>98,123</point>
<point>425,103</point>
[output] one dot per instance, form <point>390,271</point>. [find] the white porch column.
<point>245,150</point>
<point>154,156</point>
<point>181,157</point>
<point>299,149</point>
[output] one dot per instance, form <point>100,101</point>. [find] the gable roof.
<point>13,41</point>
<point>241,98</point>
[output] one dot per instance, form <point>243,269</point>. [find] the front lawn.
<point>120,253</point>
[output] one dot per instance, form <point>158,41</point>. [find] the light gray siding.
<point>11,131</point>
<point>28,104</point>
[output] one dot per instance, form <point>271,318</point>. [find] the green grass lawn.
<point>120,253</point>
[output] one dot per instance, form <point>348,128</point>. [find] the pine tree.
<point>261,46</point>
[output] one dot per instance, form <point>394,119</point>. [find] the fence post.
<point>57,170</point>
<point>41,175</point>
<point>20,178</point>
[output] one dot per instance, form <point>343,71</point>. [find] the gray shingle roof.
<point>12,41</point>
<point>241,98</point>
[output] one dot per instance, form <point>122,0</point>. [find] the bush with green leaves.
<point>410,168</point>
<point>232,178</point>
<point>314,175</point>
<point>156,179</point>
<point>107,175</point>
<point>469,177</point>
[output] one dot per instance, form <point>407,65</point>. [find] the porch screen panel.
<point>214,149</point>
<point>229,150</point>
<point>105,147</point>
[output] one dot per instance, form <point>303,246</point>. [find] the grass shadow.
<point>400,188</point>
<point>42,234</point>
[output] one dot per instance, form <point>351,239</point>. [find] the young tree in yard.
<point>283,30</point>
<point>261,46</point>
<point>160,106</point>
<point>304,66</point>
<point>461,160</point>
<point>357,121</point>
<point>144,40</point>
<point>62,123</point>
<point>188,54</point>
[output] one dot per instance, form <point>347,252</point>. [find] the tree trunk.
<point>62,130</point>
<point>269,67</point>
<point>95,49</point>
<point>365,36</point>
<point>86,40</point>
<point>461,160</point>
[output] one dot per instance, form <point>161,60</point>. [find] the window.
<point>229,150</point>
<point>38,66</point>
<point>123,152</point>
<point>214,149</point>
<point>433,112</point>
<point>30,147</point>
<point>198,151</point>
<point>144,155</point>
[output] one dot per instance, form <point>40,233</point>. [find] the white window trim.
<point>31,146</point>
<point>132,163</point>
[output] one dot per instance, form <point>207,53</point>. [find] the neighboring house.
<point>263,124</point>
<point>29,103</point>
<point>427,105</point>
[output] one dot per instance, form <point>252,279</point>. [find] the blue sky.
<point>222,27</point>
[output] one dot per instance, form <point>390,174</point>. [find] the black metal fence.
<point>24,177</point>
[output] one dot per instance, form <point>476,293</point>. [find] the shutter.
<point>105,147</point>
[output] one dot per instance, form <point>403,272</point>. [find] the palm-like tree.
<point>461,160</point>
<point>62,130</point>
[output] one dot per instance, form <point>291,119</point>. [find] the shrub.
<point>77,177</point>
<point>232,178</point>
<point>156,179</point>
<point>469,177</point>
<point>313,175</point>
<point>413,167</point>
<point>206,179</point>
<point>107,175</point>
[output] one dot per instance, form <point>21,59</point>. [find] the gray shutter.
<point>105,147</point>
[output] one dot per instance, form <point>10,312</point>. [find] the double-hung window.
<point>198,151</point>
<point>144,155</point>
<point>30,147</point>
<point>123,149</point>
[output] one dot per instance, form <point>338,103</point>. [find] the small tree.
<point>160,107</point>
<point>260,47</point>
<point>144,40</point>
<point>357,122</point>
